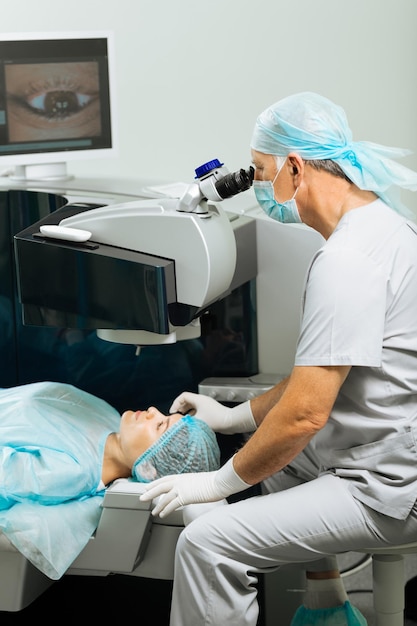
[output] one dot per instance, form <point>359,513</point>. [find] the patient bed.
<point>128,540</point>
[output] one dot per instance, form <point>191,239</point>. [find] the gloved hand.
<point>181,489</point>
<point>220,418</point>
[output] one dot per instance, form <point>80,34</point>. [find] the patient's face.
<point>140,429</point>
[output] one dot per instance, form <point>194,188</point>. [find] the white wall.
<point>193,76</point>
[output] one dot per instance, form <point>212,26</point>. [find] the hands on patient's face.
<point>140,429</point>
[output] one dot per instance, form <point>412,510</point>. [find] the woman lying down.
<point>62,446</point>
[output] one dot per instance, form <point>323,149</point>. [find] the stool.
<point>388,582</point>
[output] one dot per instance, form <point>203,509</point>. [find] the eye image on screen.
<point>57,102</point>
<point>52,101</point>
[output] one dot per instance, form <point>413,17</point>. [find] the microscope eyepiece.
<point>214,183</point>
<point>234,183</point>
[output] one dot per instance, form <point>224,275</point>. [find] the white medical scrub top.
<point>360,309</point>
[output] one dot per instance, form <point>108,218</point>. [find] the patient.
<point>59,443</point>
<point>61,446</point>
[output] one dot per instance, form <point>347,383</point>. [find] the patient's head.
<point>168,444</point>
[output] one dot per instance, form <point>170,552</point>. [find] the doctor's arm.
<point>223,419</point>
<point>302,410</point>
<point>289,425</point>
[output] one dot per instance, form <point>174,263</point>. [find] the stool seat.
<point>388,582</point>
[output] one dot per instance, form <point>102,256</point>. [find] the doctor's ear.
<point>296,163</point>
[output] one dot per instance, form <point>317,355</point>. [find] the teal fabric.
<point>344,615</point>
<point>51,537</point>
<point>52,438</point>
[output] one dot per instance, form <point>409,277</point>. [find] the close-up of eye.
<point>58,104</point>
<point>52,100</point>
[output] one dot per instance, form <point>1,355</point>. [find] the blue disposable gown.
<point>52,439</point>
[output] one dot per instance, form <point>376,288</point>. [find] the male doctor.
<point>333,445</point>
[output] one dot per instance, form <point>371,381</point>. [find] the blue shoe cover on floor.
<point>344,615</point>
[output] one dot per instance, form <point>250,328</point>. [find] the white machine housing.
<point>203,246</point>
<point>196,251</point>
<point>282,254</point>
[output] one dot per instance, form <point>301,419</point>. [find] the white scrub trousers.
<point>220,553</point>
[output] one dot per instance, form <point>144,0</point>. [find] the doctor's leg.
<point>220,553</point>
<point>324,588</point>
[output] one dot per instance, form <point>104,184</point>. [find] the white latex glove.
<point>220,418</point>
<point>181,489</point>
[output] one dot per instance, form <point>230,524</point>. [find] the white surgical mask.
<point>284,212</point>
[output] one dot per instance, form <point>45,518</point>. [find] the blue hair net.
<point>188,446</point>
<point>316,128</point>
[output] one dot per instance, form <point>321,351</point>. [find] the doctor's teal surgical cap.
<point>316,129</point>
<point>189,445</point>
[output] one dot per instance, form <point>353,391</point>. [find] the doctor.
<point>334,445</point>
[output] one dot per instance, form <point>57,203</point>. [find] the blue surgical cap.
<point>316,128</point>
<point>188,446</point>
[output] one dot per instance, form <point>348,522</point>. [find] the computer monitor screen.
<point>56,101</point>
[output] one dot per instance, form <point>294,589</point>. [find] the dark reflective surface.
<point>113,371</point>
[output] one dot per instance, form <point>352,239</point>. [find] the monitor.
<point>57,101</point>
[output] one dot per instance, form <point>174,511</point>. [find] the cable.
<point>360,565</point>
<point>359,591</point>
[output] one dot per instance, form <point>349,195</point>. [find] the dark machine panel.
<point>92,286</point>
<point>70,351</point>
